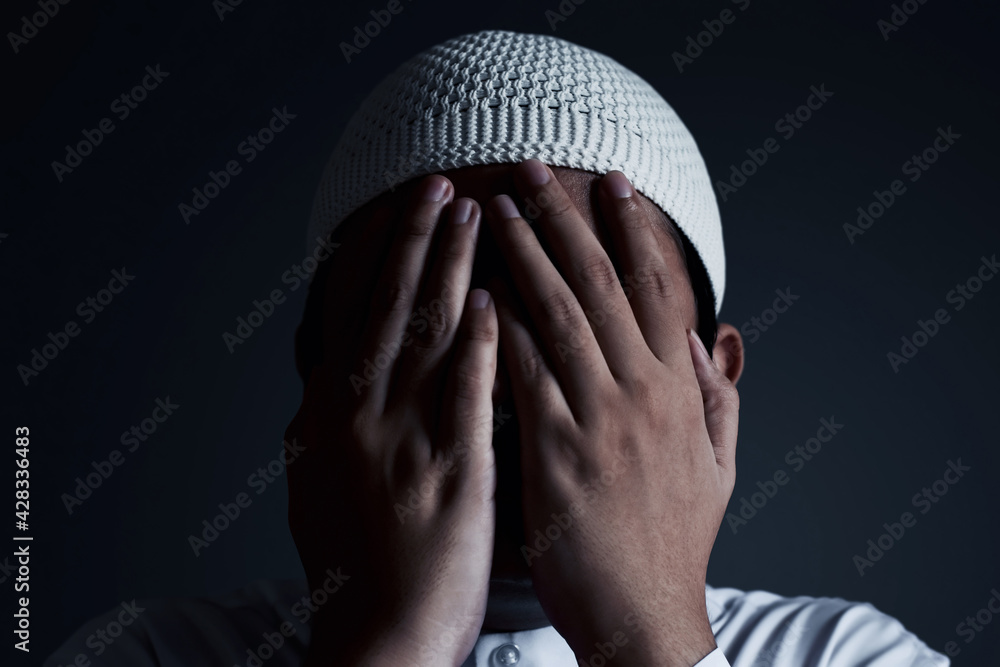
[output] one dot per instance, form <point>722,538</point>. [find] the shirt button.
<point>508,654</point>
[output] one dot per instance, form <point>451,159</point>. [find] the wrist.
<point>678,642</point>
<point>331,645</point>
<point>390,652</point>
<point>676,651</point>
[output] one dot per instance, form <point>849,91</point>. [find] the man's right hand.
<point>395,486</point>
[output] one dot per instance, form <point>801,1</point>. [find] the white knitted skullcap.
<point>503,97</point>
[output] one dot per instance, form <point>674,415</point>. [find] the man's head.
<point>512,604</point>
<point>395,138</point>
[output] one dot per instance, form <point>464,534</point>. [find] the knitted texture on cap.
<point>502,97</point>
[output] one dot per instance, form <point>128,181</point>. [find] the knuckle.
<point>479,331</point>
<point>654,280</point>
<point>559,205</point>
<point>532,363</point>
<point>518,239</point>
<point>646,396</point>
<point>561,307</point>
<point>397,297</point>
<point>597,271</point>
<point>435,333</point>
<point>420,226</point>
<point>454,250</point>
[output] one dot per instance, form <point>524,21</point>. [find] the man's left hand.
<point>628,428</point>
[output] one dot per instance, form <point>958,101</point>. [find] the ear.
<point>728,352</point>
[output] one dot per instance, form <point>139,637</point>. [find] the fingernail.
<point>618,185</point>
<point>479,298</point>
<point>436,189</point>
<point>505,206</point>
<point>535,173</point>
<point>462,211</point>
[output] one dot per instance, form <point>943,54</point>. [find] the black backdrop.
<point>895,88</point>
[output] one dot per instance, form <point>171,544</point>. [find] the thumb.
<point>722,403</point>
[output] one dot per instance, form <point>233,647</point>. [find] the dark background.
<point>826,356</point>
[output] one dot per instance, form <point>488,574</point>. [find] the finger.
<point>439,311</point>
<point>398,286</point>
<point>574,354</point>
<point>722,405</point>
<point>656,299</point>
<point>468,426</point>
<point>589,271</point>
<point>532,383</point>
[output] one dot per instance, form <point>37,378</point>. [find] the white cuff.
<point>714,659</point>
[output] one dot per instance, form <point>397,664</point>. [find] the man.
<point>516,447</point>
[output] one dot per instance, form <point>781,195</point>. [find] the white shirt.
<point>752,629</point>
